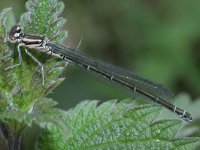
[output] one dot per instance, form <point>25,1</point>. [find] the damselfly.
<point>155,92</point>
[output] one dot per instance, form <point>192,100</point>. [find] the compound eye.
<point>18,29</point>
<point>15,33</point>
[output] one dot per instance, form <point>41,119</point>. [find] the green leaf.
<point>42,18</point>
<point>116,125</point>
<point>8,86</point>
<point>42,114</point>
<point>22,101</point>
<point>54,141</point>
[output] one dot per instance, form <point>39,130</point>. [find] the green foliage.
<point>110,125</point>
<point>7,78</point>
<point>113,125</point>
<point>43,18</point>
<point>22,94</point>
<point>44,114</point>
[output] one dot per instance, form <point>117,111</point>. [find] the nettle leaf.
<point>42,18</point>
<point>21,92</point>
<point>8,87</point>
<point>55,139</point>
<point>41,114</point>
<point>116,125</point>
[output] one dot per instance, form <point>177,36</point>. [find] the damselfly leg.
<point>20,61</point>
<point>39,64</point>
<point>19,58</point>
<point>150,90</point>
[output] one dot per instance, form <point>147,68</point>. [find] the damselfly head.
<point>15,34</point>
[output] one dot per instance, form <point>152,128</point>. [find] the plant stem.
<point>14,139</point>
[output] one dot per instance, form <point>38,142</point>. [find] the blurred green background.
<point>157,39</point>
